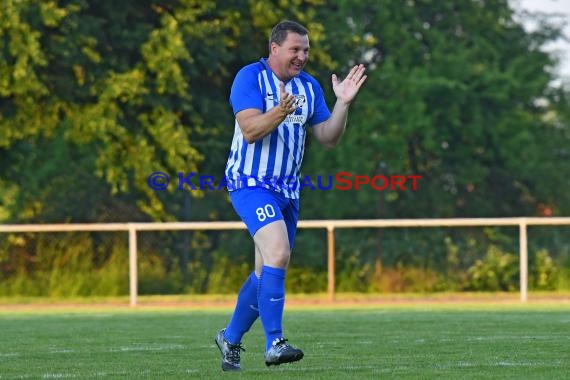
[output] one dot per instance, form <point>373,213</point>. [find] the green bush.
<point>305,280</point>
<point>564,279</point>
<point>498,271</point>
<point>544,274</point>
<point>71,265</point>
<point>226,277</point>
<point>404,278</point>
<point>154,278</point>
<point>87,264</point>
<point>353,276</point>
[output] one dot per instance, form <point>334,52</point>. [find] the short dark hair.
<point>280,31</point>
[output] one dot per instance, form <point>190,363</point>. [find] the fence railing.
<point>329,225</point>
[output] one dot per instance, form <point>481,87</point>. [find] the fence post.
<point>330,261</point>
<point>133,280</point>
<point>523,263</point>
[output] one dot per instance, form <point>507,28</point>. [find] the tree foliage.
<point>131,87</point>
<point>458,93</point>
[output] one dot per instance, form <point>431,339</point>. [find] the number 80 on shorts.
<point>265,212</point>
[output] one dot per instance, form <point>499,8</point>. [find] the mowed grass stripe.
<point>368,343</point>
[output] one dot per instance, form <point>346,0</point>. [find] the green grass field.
<point>399,342</point>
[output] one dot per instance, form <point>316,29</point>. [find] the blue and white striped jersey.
<point>273,162</point>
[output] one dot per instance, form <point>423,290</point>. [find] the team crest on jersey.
<point>300,100</point>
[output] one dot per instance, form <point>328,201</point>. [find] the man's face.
<point>290,57</point>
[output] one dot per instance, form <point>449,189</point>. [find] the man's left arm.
<point>329,132</point>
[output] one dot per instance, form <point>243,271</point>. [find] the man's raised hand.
<point>347,89</point>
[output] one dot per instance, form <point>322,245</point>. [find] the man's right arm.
<point>255,124</point>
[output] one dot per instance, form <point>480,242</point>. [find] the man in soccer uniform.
<point>274,101</point>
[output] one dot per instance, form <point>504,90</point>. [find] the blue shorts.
<point>258,207</point>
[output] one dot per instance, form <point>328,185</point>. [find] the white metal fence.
<point>329,225</point>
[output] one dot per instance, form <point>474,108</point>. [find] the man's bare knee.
<point>279,259</point>
<point>272,242</point>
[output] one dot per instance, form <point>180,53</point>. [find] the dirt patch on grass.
<point>294,301</point>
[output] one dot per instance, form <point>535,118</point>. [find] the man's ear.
<point>273,47</point>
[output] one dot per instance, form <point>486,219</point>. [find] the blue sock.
<point>246,311</point>
<point>271,299</point>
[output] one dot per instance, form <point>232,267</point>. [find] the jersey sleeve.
<point>321,112</point>
<point>245,92</point>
